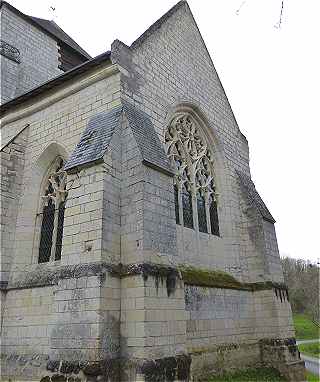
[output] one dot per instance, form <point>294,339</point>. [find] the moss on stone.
<point>219,279</point>
<point>210,278</point>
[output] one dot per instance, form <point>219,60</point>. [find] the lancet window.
<point>53,202</point>
<point>195,195</point>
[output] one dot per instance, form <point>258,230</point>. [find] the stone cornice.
<point>36,105</point>
<point>45,275</point>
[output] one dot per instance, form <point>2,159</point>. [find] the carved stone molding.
<point>193,164</point>
<point>9,51</point>
<point>189,155</point>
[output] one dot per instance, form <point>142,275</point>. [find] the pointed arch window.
<point>53,201</point>
<point>194,181</point>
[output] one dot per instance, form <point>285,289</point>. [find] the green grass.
<point>251,375</point>
<point>305,328</point>
<point>312,349</point>
<point>312,378</point>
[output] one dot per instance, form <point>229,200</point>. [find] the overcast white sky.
<point>270,75</point>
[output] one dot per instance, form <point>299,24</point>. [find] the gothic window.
<point>53,214</point>
<point>194,185</point>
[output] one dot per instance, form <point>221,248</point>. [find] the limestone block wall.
<point>9,71</point>
<point>258,249</point>
<point>225,328</point>
<point>38,53</point>
<point>75,316</point>
<point>111,217</point>
<point>12,160</point>
<point>159,228</point>
<point>131,198</point>
<point>218,316</point>
<point>77,320</point>
<point>167,66</point>
<point>82,239</point>
<point>85,325</point>
<point>26,330</point>
<point>273,313</point>
<point>55,130</point>
<point>153,321</point>
<point>272,252</point>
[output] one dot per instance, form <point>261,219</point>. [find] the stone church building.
<point>134,244</point>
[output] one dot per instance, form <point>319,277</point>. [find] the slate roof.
<point>60,34</point>
<point>95,139</point>
<point>249,188</point>
<point>151,148</point>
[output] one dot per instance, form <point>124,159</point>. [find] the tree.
<point>302,279</point>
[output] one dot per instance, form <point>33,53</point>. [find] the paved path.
<point>307,341</point>
<point>312,364</point>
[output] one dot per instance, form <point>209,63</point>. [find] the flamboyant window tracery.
<point>194,185</point>
<point>53,214</point>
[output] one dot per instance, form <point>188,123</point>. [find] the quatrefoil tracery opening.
<point>188,152</point>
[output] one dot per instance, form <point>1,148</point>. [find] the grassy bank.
<point>251,375</point>
<point>312,378</point>
<point>258,375</point>
<point>305,328</point>
<point>312,349</point>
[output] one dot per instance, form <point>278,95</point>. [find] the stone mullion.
<point>179,186</point>
<point>55,230</point>
<point>207,207</point>
<point>194,207</point>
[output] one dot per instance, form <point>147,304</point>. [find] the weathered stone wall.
<point>153,317</point>
<point>9,71</point>
<point>225,328</point>
<point>38,55</point>
<point>77,319</point>
<point>131,198</point>
<point>258,249</point>
<point>12,160</point>
<point>272,252</point>
<point>55,130</point>
<point>26,331</point>
<point>159,74</point>
<point>224,358</point>
<point>82,239</point>
<point>218,316</point>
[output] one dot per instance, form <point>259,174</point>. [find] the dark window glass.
<point>187,208</point>
<point>202,217</point>
<point>214,221</point>
<point>60,231</point>
<point>176,204</point>
<point>46,232</point>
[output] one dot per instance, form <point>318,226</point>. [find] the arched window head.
<point>195,188</point>
<point>53,201</point>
